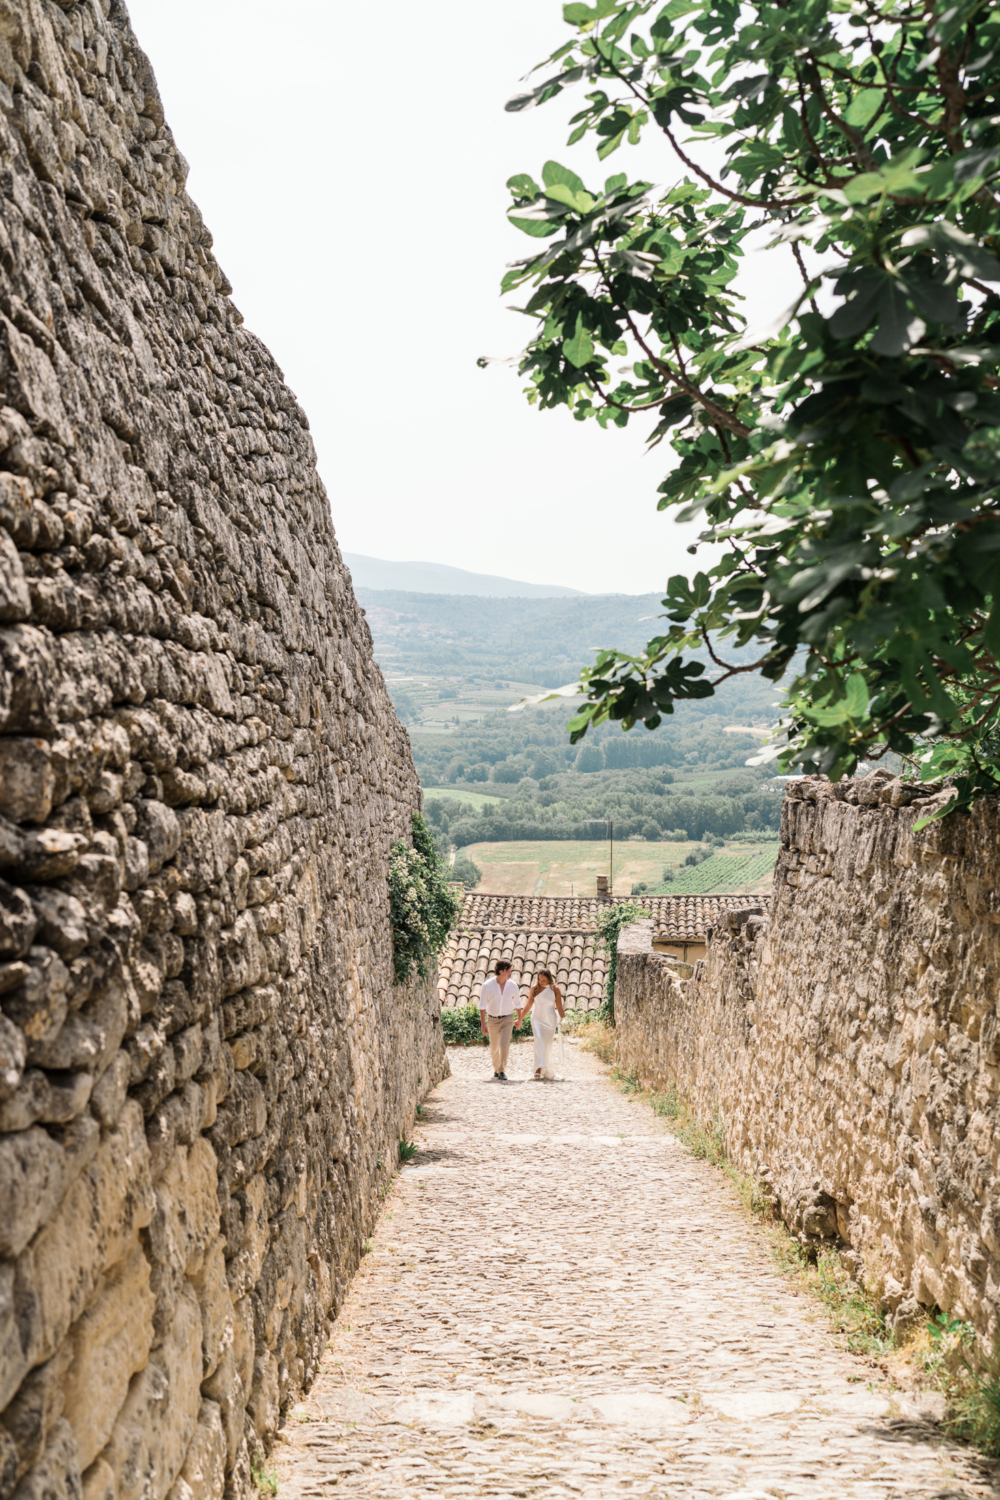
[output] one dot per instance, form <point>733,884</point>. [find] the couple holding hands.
<point>499,1001</point>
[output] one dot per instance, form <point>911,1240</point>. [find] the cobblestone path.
<point>560,1301</point>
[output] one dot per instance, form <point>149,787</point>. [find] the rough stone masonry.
<point>849,1044</point>
<point>204,1066</point>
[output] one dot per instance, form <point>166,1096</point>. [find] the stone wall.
<point>850,1045</point>
<point>204,1067</point>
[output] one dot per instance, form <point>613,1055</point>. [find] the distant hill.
<point>536,641</point>
<point>435,578</point>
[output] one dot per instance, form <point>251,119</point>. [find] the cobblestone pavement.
<point>560,1301</point>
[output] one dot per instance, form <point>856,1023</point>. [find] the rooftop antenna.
<point>611,857</point>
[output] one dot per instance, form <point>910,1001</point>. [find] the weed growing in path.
<point>977,1409</point>
<point>594,1036</point>
<point>263,1475</point>
<point>407,1150</point>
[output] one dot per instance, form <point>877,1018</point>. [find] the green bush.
<point>461,1027</point>
<point>466,871</point>
<point>421,907</point>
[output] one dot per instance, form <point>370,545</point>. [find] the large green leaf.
<point>579,347</point>
<point>554,175</point>
<point>864,107</point>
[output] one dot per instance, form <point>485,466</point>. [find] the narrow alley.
<point>560,1301</point>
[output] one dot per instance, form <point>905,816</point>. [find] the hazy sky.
<point>351,166</point>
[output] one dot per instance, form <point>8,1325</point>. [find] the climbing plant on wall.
<point>850,459</point>
<point>610,922</point>
<point>422,908</point>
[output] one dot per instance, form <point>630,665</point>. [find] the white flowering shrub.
<point>422,908</point>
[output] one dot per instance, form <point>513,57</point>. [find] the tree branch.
<point>862,154</point>
<point>796,251</point>
<point>720,415</point>
<point>773,204</point>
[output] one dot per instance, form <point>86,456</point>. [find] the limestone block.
<point>62,920</point>
<point>55,1099</point>
<point>203,1476</point>
<point>15,600</point>
<point>27,779</point>
<point>45,854</point>
<point>175,1123</point>
<point>111,1090</point>
<point>19,1330</point>
<point>227,1390</point>
<point>18,922</point>
<point>33,1175</point>
<point>185,1224</point>
<point>154,1428</point>
<point>110,1342</point>
<point>159,829</point>
<point>244,1347</point>
<point>8,1462</point>
<point>99,1482</point>
<point>31,1417</point>
<point>212,1289</point>
<point>56,1475</point>
<point>39,1003</point>
<point>13,1054</point>
<point>263,1404</point>
<point>89,1039</point>
<point>93,1227</point>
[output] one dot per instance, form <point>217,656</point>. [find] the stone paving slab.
<point>561,1302</point>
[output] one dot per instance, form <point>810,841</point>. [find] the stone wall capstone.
<point>204,1065</point>
<point>849,1045</point>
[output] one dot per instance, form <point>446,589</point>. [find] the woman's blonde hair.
<point>547,975</point>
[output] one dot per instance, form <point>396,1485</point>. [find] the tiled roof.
<point>557,933</point>
<point>686,919</point>
<point>571,913</point>
<point>578,969</point>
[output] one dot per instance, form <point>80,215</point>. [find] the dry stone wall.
<point>204,1066</point>
<point>850,1044</point>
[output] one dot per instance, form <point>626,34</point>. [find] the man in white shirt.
<point>498,999</point>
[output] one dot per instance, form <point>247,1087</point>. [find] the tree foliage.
<point>850,461</point>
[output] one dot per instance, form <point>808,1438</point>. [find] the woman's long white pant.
<point>543,1026</point>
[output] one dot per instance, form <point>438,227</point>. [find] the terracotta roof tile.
<point>468,961</point>
<point>557,933</point>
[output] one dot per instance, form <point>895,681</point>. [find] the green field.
<point>560,867</point>
<point>731,870</point>
<point>471,799</point>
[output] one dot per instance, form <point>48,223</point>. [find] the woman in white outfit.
<point>546,999</point>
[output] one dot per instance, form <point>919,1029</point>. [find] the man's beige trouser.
<point>500,1028</point>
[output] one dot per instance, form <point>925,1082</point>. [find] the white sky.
<point>351,164</point>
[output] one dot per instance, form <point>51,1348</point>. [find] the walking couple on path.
<point>499,1003</point>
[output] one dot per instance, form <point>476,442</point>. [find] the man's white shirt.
<point>499,1002</point>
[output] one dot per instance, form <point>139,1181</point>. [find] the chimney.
<point>603,894</point>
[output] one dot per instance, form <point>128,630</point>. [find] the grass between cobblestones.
<point>942,1354</point>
